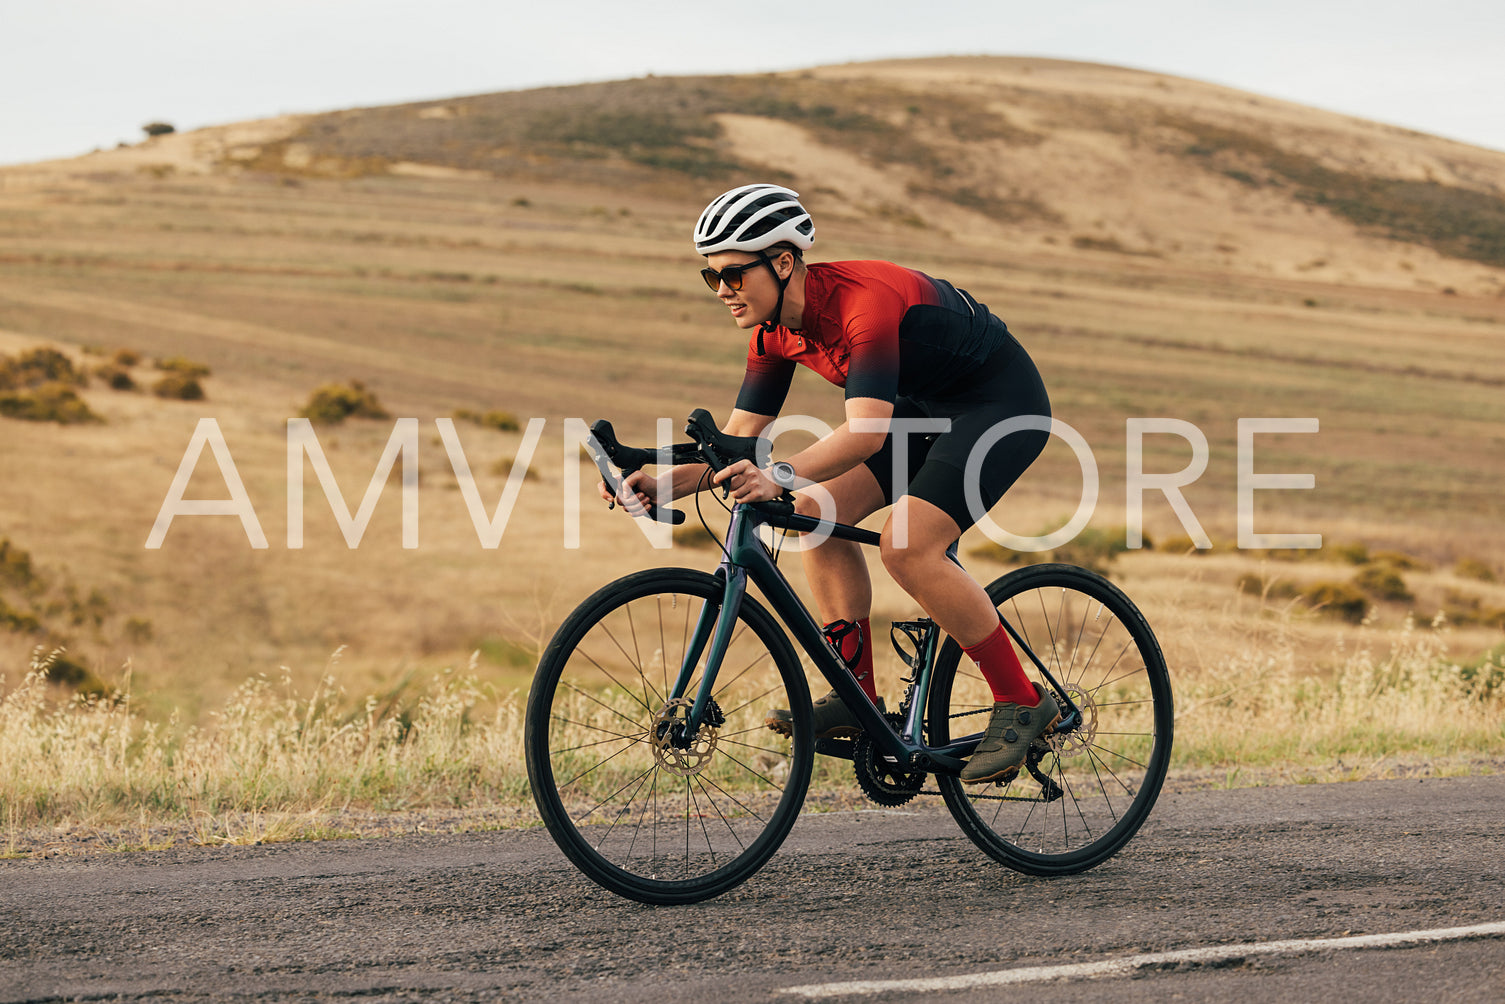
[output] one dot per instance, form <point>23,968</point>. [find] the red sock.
<point>1000,667</point>
<point>851,640</point>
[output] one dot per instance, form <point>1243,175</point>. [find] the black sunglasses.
<point>732,274</point>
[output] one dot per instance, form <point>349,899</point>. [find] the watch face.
<point>782,474</point>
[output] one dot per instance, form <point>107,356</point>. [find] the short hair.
<point>777,249</point>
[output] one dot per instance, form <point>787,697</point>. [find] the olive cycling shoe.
<point>1010,731</point>
<point>832,720</point>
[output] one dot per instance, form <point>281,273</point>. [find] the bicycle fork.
<point>711,637</point>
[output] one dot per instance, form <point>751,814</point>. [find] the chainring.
<point>880,780</point>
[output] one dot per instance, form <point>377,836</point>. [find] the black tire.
<point>638,815</point>
<point>1105,775</point>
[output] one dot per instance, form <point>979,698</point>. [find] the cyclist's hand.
<point>639,490</point>
<point>747,483</point>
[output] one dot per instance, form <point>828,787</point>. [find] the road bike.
<point>652,766</point>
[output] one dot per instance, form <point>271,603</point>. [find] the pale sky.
<point>81,74</point>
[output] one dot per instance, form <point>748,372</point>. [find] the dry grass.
<point>271,763</point>
<point>277,764</point>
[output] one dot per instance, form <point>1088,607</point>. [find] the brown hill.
<point>1023,150</point>
<point>1162,247</point>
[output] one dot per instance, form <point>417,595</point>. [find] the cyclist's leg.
<point>915,540</point>
<point>836,569</point>
<point>837,573</point>
<point>938,508</point>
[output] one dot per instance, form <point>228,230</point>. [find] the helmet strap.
<point>772,322</point>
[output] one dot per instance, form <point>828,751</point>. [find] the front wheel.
<point>641,804</point>
<point>1082,794</point>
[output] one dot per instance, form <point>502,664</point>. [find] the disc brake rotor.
<point>671,750</point>
<point>1078,740</point>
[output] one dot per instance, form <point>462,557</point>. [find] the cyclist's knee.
<point>914,542</point>
<point>905,560</point>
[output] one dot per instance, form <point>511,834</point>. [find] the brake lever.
<point>630,460</point>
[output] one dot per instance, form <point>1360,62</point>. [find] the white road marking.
<point>1128,965</point>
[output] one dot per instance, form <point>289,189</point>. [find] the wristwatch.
<point>781,473</point>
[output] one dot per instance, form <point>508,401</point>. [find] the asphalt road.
<point>871,896</point>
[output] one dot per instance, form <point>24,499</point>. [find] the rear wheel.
<point>637,802</point>
<point>1083,794</point>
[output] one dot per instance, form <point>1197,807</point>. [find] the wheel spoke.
<point>642,807</point>
<point>1105,772</point>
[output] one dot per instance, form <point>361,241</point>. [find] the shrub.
<point>15,565</point>
<point>503,468</point>
<point>185,367</point>
<point>39,366</point>
<point>139,630</point>
<point>126,358</point>
<point>18,621</point>
<point>1485,673</point>
<point>1292,553</point>
<point>91,609</point>
<point>158,128</point>
<point>179,387</point>
<point>75,675</point>
<point>116,378</point>
<point>334,403</point>
<point>1093,548</point>
<point>693,535</point>
<point>1258,585</point>
<point>1383,583</point>
<point>1353,554</point>
<point>1343,600</point>
<point>1473,568</point>
<point>1463,608</point>
<point>1182,544</point>
<point>51,402</point>
<point>1400,562</point>
<point>503,421</point>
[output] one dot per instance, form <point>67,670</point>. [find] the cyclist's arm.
<point>838,453</point>
<point>844,448</point>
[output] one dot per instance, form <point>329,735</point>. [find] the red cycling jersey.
<point>877,329</point>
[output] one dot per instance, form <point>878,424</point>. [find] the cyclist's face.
<point>760,289</point>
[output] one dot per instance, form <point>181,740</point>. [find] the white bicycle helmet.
<point>752,218</point>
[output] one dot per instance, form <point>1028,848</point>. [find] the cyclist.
<point>904,346</point>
